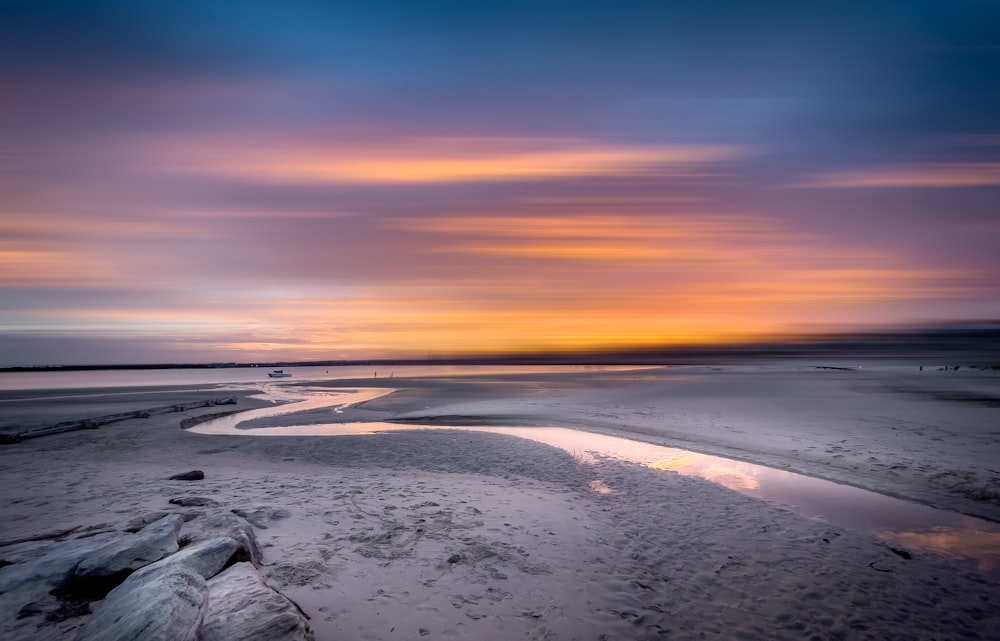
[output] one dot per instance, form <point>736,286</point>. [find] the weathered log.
<point>97,421</point>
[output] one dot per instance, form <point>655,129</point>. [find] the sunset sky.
<point>243,181</point>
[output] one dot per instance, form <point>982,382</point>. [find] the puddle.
<point>289,400</point>
<point>913,526</point>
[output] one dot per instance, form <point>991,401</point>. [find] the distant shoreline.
<point>962,343</point>
<point>965,359</point>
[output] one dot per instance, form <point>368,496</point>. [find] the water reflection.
<point>731,474</point>
<point>969,540</point>
<point>289,400</point>
<point>916,527</point>
<point>598,486</point>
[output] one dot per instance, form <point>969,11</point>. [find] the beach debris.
<point>900,552</point>
<point>164,605</point>
<point>193,475</point>
<point>872,566</point>
<point>262,516</point>
<point>133,551</point>
<point>193,501</point>
<point>97,421</point>
<point>242,606</point>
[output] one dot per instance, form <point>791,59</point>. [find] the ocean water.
<point>89,379</point>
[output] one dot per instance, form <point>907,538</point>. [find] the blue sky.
<point>257,180</point>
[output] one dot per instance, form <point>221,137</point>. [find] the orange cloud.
<point>642,280</point>
<point>552,272</point>
<point>52,268</point>
<point>959,174</point>
<point>76,227</point>
<point>592,238</point>
<point>44,249</point>
<point>437,160</point>
<point>500,283</point>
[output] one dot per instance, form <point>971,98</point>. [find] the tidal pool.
<point>911,525</point>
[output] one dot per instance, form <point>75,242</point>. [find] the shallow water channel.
<point>912,526</point>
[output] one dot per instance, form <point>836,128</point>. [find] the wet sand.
<point>456,534</point>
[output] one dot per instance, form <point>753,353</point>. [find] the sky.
<point>255,181</point>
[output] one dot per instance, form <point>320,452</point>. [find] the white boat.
<point>279,373</point>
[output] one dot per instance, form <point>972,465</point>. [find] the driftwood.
<point>94,423</point>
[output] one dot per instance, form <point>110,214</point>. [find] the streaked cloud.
<point>585,238</point>
<point>342,184</point>
<point>435,160</point>
<point>462,284</point>
<point>53,268</point>
<point>916,176</point>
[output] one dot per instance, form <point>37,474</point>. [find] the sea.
<point>89,379</point>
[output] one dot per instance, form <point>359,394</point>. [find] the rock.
<point>67,609</point>
<point>216,524</point>
<point>241,606</point>
<point>140,522</point>
<point>263,515</point>
<point>33,609</point>
<point>205,557</point>
<point>133,551</point>
<point>165,605</point>
<point>38,567</point>
<point>35,549</point>
<point>193,475</point>
<point>194,501</point>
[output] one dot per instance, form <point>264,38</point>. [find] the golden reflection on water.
<point>600,487</point>
<point>954,544</point>
<point>694,464</point>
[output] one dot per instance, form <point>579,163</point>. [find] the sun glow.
<point>435,160</point>
<point>493,284</point>
<point>375,248</point>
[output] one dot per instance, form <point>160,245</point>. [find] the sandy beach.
<point>460,534</point>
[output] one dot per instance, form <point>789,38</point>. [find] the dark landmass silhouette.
<point>973,344</point>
